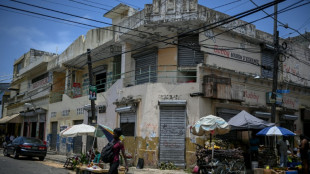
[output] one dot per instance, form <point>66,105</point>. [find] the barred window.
<point>65,112</point>
<point>53,114</point>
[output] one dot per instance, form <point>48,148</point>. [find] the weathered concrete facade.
<point>155,83</point>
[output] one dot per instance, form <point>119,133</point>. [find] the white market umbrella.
<point>210,125</point>
<point>78,130</point>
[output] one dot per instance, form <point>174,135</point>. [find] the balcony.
<point>38,63</point>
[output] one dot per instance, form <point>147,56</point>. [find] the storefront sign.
<point>235,56</point>
<point>278,98</point>
<point>254,97</point>
<point>290,102</point>
<point>76,90</point>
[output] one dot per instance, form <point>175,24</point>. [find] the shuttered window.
<point>267,60</point>
<point>189,53</point>
<point>128,123</point>
<point>146,66</point>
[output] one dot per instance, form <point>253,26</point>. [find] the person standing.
<point>282,148</point>
<point>254,143</point>
<point>304,147</point>
<point>117,147</point>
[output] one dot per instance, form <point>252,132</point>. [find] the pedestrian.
<point>117,147</point>
<point>12,137</point>
<point>282,148</point>
<point>304,147</point>
<point>254,143</point>
<point>7,138</point>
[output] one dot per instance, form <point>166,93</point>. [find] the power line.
<point>281,11</point>
<point>134,49</point>
<point>225,4</point>
<point>99,3</point>
<point>73,15</point>
<point>84,9</point>
<point>44,18</point>
<point>128,3</point>
<point>283,25</point>
<point>97,7</point>
<point>66,20</point>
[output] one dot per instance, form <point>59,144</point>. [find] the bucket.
<point>254,164</point>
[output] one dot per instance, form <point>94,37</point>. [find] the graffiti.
<point>173,130</point>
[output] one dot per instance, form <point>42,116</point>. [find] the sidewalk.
<point>53,157</point>
<point>132,170</point>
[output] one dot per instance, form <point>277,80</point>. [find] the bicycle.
<point>204,162</point>
<point>231,167</point>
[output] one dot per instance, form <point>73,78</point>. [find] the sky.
<point>20,31</point>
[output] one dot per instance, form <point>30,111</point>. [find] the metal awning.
<point>172,103</point>
<point>126,109</point>
<point>262,114</point>
<point>11,119</point>
<point>289,117</point>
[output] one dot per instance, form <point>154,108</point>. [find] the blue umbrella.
<point>275,131</point>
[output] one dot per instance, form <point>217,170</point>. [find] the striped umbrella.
<point>275,131</point>
<point>105,131</point>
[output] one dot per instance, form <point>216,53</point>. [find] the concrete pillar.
<point>126,68</point>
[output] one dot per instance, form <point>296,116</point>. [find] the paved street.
<point>9,165</point>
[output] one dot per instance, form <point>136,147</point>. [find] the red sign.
<point>76,90</point>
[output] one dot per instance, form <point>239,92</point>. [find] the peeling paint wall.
<point>94,38</point>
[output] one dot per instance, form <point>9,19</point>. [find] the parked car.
<point>26,146</point>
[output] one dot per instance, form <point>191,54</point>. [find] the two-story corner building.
<point>30,90</point>
<point>155,82</point>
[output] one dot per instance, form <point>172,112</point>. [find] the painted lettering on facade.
<point>250,95</point>
<point>169,97</point>
<point>235,56</point>
<point>290,102</point>
<point>290,69</point>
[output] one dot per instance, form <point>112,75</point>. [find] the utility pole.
<point>275,64</point>
<point>91,83</point>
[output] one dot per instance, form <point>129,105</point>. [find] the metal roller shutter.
<point>77,141</point>
<point>54,136</point>
<point>267,60</point>
<point>172,135</point>
<point>189,56</point>
<point>146,66</point>
<point>127,122</point>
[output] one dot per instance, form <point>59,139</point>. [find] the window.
<point>101,82</point>
<point>79,111</point>
<point>53,114</point>
<point>65,112</point>
<point>128,123</point>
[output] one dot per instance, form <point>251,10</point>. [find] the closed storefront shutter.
<point>267,60</point>
<point>54,136</point>
<point>172,135</point>
<point>77,141</point>
<point>189,53</point>
<point>146,66</point>
<point>127,122</point>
